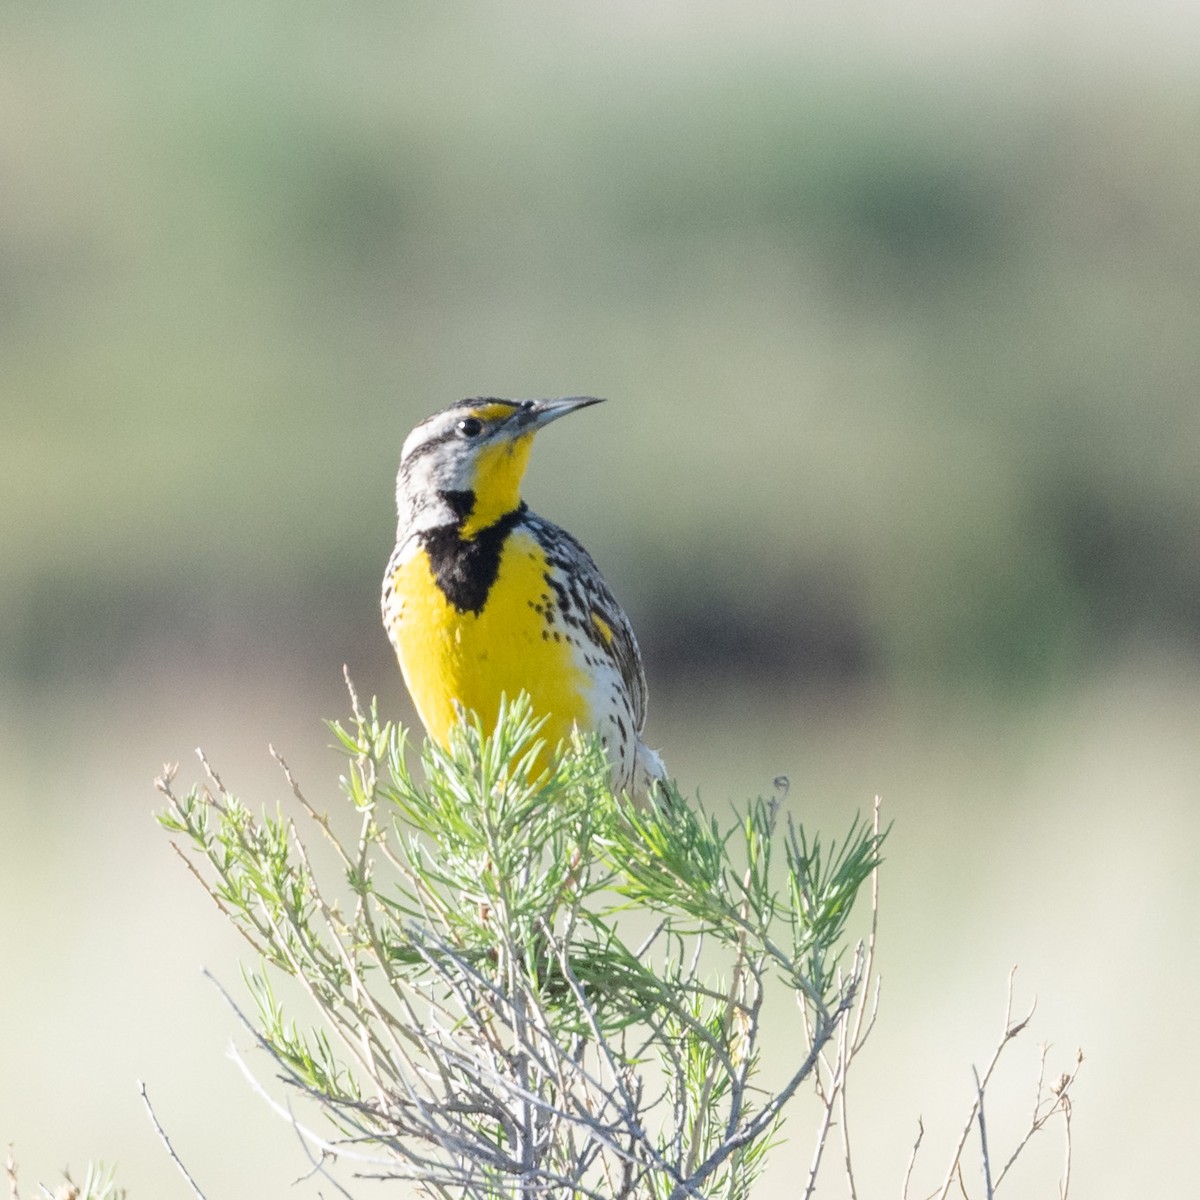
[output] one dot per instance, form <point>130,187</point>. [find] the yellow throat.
<point>499,470</point>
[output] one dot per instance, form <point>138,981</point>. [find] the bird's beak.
<point>536,413</point>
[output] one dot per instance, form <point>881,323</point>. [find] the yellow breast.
<point>509,646</point>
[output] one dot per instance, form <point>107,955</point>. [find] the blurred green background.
<point>898,308</point>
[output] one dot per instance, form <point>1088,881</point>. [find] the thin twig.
<point>212,774</point>
<point>317,1161</point>
<point>355,707</point>
<point>983,1140</point>
<point>819,1148</point>
<point>289,1075</point>
<point>851,1037</point>
<point>1010,1031</point>
<point>10,1170</point>
<point>766,1116</point>
<point>308,1136</point>
<point>1066,1180</point>
<point>860,1036</point>
<point>1060,1102</point>
<point>166,1141</point>
<point>912,1158</point>
<point>845,1056</point>
<point>216,899</point>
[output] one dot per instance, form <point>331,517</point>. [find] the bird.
<point>483,598</point>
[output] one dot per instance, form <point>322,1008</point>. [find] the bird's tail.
<point>648,771</point>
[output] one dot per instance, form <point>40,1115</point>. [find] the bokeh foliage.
<point>904,355</point>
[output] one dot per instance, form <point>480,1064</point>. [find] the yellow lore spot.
<point>492,412</point>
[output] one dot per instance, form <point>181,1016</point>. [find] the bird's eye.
<point>470,427</point>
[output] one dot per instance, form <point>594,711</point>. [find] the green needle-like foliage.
<point>520,984</point>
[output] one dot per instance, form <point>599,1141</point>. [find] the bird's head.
<point>463,466</point>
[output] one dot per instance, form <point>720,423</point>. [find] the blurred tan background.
<point>898,308</point>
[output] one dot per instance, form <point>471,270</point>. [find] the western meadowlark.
<point>483,598</point>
